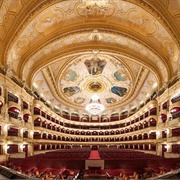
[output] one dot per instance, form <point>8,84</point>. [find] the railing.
<point>13,104</point>
<point>16,122</point>
<point>17,155</point>
<point>171,155</point>
<point>173,122</point>
<point>14,138</point>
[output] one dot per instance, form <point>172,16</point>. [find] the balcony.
<point>13,104</point>
<point>16,139</point>
<point>176,104</point>
<point>17,155</point>
<point>174,122</point>
<point>2,138</point>
<point>2,99</point>
<point>142,141</point>
<point>16,122</point>
<point>162,125</point>
<point>161,140</point>
<point>163,111</point>
<point>26,111</point>
<point>29,140</point>
<point>173,139</point>
<point>171,155</point>
<point>41,141</point>
<point>28,126</point>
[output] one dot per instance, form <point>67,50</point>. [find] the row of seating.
<point>124,154</point>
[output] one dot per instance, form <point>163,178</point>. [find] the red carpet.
<point>94,154</point>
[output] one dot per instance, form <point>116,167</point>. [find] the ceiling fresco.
<point>95,73</point>
<point>67,50</point>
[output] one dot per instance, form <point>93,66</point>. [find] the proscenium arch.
<point>142,4</point>
<point>111,26</point>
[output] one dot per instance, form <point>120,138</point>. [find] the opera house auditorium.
<point>89,89</point>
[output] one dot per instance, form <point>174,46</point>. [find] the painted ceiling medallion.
<point>89,74</point>
<point>95,65</point>
<point>95,87</point>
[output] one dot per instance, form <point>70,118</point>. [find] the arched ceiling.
<point>65,50</point>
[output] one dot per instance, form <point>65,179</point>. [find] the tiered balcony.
<point>26,111</point>
<point>174,122</point>
<point>15,139</point>
<point>16,122</point>
<point>161,140</point>
<point>2,138</point>
<point>162,125</point>
<point>13,104</point>
<point>176,104</point>
<point>2,99</point>
<point>49,141</point>
<point>17,155</point>
<point>29,140</point>
<point>28,126</point>
<point>173,139</point>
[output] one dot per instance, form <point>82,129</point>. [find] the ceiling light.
<point>95,107</point>
<point>155,85</point>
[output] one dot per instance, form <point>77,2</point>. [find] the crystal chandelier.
<point>95,107</point>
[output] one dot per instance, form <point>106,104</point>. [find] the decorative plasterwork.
<point>132,17</point>
<point>79,40</point>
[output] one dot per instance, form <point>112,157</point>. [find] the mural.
<point>95,66</point>
<point>70,75</point>
<point>120,91</point>
<point>69,91</point>
<point>79,100</point>
<point>120,76</point>
<point>110,100</point>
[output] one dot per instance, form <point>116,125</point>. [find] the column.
<point>21,132</point>
<point>159,149</point>
<point>143,146</point>
<point>20,147</point>
<point>169,148</point>
<point>40,146</point>
<point>30,149</point>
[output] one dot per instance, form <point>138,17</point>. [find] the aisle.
<point>94,154</point>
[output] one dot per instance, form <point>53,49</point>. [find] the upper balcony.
<point>14,104</point>
<point>174,122</point>
<point>15,139</point>
<point>2,138</point>
<point>16,122</point>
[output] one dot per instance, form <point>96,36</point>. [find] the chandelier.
<point>95,107</point>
